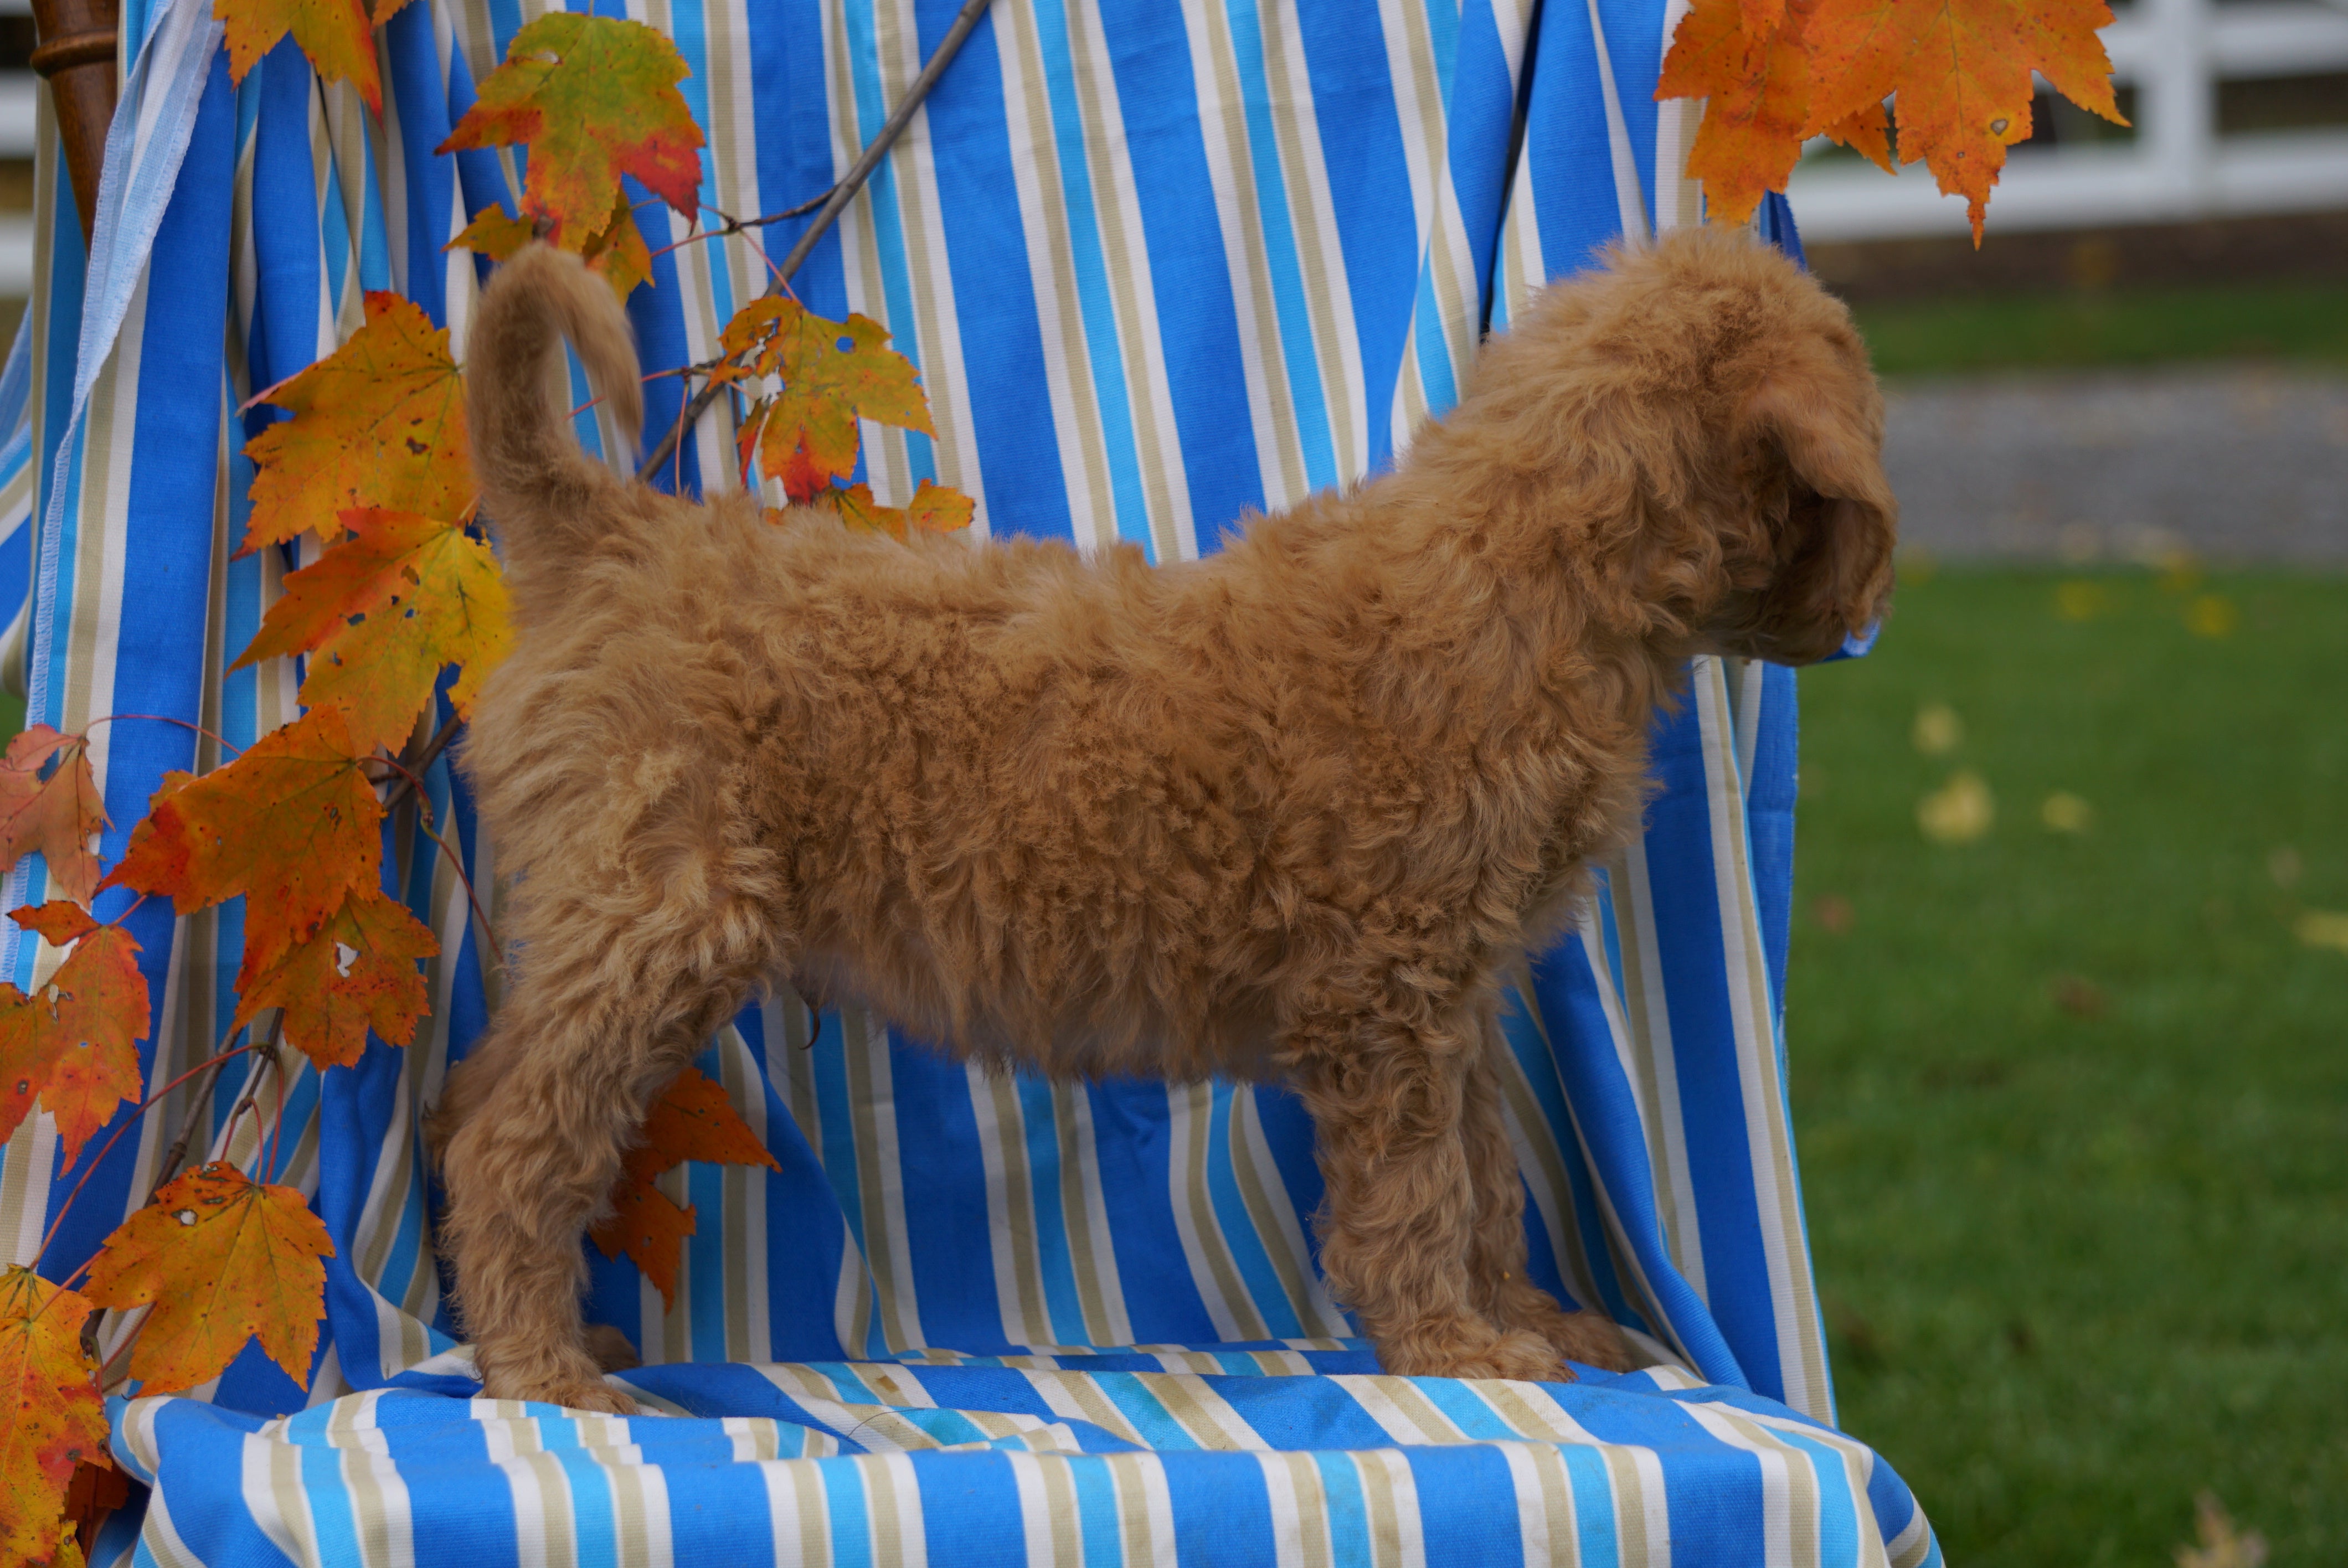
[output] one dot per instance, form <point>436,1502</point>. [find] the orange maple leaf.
<point>692,1120</point>
<point>1960,69</point>
<point>222,1260</point>
<point>494,233</point>
<point>1866,130</point>
<point>595,97</point>
<point>332,999</point>
<point>833,374</point>
<point>617,252</point>
<point>338,37</point>
<point>935,508</point>
<point>380,422</point>
<point>1757,87</point>
<point>382,613</point>
<point>1777,72</point>
<point>72,1044</point>
<point>51,1417</point>
<point>292,823</point>
<point>55,815</point>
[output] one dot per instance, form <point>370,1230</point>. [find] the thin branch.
<point>271,1055</point>
<point>431,830</point>
<point>836,201</point>
<point>743,225</point>
<point>178,1149</point>
<point>89,1167</point>
<point>412,774</point>
<point>229,747</point>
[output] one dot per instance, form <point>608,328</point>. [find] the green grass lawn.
<point>2301,321</point>
<point>2073,1106</point>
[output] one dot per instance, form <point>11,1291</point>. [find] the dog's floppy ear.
<point>1817,454</point>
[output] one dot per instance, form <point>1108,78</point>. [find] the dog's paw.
<point>562,1375</point>
<point>1593,1340</point>
<point>571,1393</point>
<point>1587,1337</point>
<point>612,1349</point>
<point>1475,1350</point>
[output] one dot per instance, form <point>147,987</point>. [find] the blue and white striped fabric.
<point>1161,263</point>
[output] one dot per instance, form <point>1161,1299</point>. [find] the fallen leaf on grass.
<point>2081,600</point>
<point>221,1260</point>
<point>1959,812</point>
<point>1937,731</point>
<point>2079,997</point>
<point>2212,615</point>
<point>2223,1545</point>
<point>2063,812</point>
<point>2323,928</point>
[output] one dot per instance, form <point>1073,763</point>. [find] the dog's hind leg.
<point>1385,1099</point>
<point>604,1013</point>
<point>1497,1255</point>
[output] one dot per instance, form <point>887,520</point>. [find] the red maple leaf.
<point>595,97</point>
<point>692,1120</point>
<point>55,815</point>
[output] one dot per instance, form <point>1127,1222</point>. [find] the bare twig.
<point>412,772</point>
<point>203,1095</point>
<point>836,201</point>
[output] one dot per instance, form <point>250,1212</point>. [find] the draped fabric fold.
<point>1160,265</point>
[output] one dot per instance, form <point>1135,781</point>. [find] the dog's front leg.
<point>1497,1255</point>
<point>1386,1099</point>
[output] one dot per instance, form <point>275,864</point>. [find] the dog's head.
<point>1703,435</point>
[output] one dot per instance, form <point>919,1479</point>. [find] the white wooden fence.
<point>2175,51</point>
<point>17,102</point>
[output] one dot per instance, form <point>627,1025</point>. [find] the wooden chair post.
<point>77,54</point>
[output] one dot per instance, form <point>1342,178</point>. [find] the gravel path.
<point>2233,463</point>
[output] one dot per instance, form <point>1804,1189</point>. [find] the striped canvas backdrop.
<point>1161,263</point>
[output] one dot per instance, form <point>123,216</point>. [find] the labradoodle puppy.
<point>1289,813</point>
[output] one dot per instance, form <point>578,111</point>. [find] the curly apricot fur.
<point>1285,812</point>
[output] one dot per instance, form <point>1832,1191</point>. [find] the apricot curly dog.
<point>1286,813</point>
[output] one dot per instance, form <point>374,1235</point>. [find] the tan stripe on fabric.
<point>877,1175</point>
<point>1043,209</point>
<point>1300,1510</point>
<point>1222,112</point>
<point>1212,1267</point>
<point>1769,1130</point>
<point>1075,1396</point>
<point>1274,1214</point>
<point>1126,259</point>
<point>1328,295</point>
<point>933,339</point>
<point>1084,1221</point>
<point>1002,1121</point>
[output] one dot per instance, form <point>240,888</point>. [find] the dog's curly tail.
<point>546,497</point>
